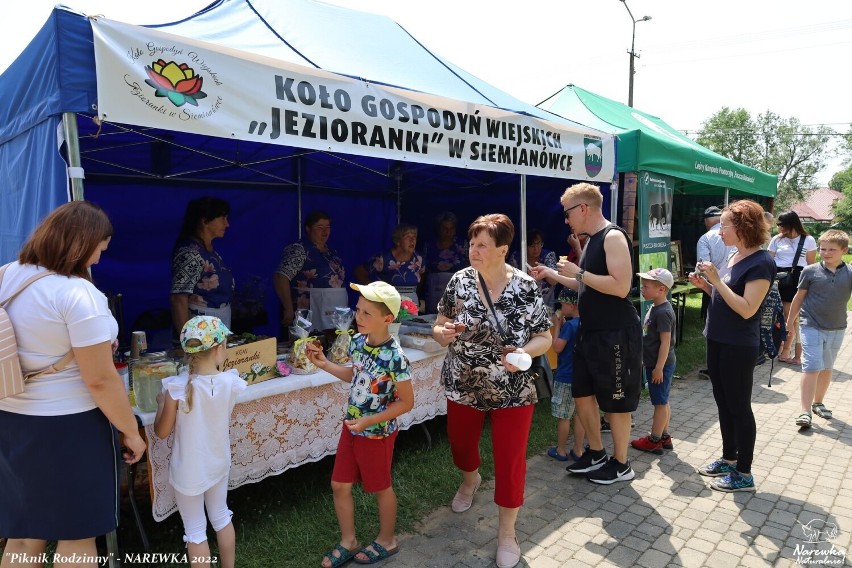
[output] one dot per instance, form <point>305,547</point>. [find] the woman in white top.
<point>58,443</point>
<point>783,248</point>
<point>197,407</point>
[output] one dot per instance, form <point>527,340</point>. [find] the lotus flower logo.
<point>177,82</point>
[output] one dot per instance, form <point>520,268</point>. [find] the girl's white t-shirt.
<point>49,317</point>
<point>201,453</point>
<point>785,250</point>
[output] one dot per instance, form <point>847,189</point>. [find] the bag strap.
<point>798,251</point>
<point>485,293</point>
<point>68,357</point>
<point>23,286</point>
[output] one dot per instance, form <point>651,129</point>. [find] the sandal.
<point>795,361</point>
<point>785,360</point>
<point>803,420</point>
<point>377,554</point>
<point>345,555</point>
<point>552,452</point>
<point>820,410</point>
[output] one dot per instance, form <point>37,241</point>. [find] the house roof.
<point>817,207</point>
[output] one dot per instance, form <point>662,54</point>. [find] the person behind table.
<point>561,401</point>
<point>478,379</point>
<point>58,475</point>
<point>824,291</point>
<point>608,355</point>
<point>733,339</point>
<point>310,275</point>
<point>402,266</point>
<point>537,254</point>
<point>710,247</point>
<point>201,283</point>
<point>197,407</point>
<point>783,248</point>
<point>658,357</point>
<point>444,256</point>
<point>380,391</point>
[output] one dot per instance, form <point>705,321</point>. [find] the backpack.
<point>12,378</point>
<point>773,327</point>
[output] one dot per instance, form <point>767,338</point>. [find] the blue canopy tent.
<point>143,175</point>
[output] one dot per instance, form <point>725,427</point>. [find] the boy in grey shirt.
<point>824,290</point>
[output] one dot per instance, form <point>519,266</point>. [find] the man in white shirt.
<point>711,247</point>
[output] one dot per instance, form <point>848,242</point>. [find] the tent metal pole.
<point>523,222</point>
<point>72,142</point>
<point>727,196</point>
<point>613,201</point>
<point>299,225</point>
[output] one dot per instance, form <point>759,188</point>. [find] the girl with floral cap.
<point>197,407</point>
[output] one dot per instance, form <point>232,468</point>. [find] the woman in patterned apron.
<point>401,267</point>
<point>310,275</point>
<point>445,255</point>
<point>201,283</point>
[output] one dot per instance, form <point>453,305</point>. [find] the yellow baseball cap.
<point>381,292</point>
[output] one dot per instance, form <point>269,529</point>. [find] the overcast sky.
<point>790,57</point>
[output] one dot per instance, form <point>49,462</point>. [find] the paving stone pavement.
<point>668,516</point>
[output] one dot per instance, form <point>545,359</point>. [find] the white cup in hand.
<point>522,361</point>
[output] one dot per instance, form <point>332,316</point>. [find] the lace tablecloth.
<point>286,422</point>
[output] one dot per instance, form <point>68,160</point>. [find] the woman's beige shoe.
<point>463,502</point>
<point>508,553</point>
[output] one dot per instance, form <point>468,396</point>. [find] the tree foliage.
<point>780,146</point>
<point>842,182</point>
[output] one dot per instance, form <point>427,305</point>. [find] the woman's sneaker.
<point>734,481</point>
<point>716,469</point>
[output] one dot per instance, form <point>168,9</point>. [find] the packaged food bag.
<point>299,357</point>
<point>339,352</point>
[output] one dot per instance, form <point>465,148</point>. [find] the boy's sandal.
<point>552,452</point>
<point>820,410</point>
<point>803,420</point>
<point>345,555</point>
<point>378,553</point>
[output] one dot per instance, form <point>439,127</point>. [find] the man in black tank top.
<point>608,355</point>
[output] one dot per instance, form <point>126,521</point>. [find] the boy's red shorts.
<point>367,460</point>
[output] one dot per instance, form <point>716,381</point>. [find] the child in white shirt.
<point>197,407</point>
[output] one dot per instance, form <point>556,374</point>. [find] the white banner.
<point>149,78</point>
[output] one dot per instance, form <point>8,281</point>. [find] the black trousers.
<point>731,370</point>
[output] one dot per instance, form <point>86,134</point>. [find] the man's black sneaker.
<point>589,461</point>
<point>612,472</point>
<point>704,374</point>
<point>605,425</point>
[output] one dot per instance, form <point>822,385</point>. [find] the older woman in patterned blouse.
<point>478,379</point>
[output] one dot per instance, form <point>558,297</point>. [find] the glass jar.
<point>147,374</point>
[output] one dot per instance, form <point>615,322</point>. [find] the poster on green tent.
<point>654,215</point>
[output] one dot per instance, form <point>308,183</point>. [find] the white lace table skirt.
<point>280,430</point>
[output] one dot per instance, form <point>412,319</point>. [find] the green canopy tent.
<point>646,143</point>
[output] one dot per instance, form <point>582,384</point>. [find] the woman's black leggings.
<point>731,369</point>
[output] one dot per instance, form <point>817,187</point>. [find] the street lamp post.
<point>632,51</point>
